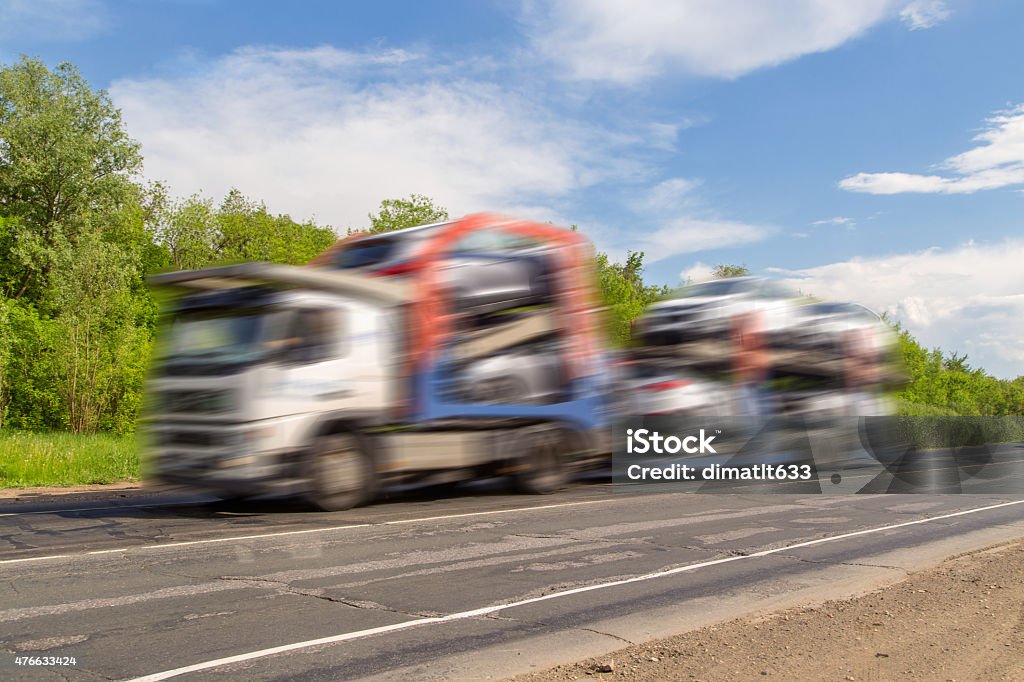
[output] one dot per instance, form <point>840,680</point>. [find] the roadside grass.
<point>62,459</point>
<point>930,427</point>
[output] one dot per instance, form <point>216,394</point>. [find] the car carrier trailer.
<point>329,384</point>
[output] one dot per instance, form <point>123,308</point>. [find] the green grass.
<point>930,427</point>
<point>61,459</point>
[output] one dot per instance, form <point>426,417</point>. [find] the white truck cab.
<point>248,376</point>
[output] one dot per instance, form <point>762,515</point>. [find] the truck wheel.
<point>340,473</point>
<point>540,469</point>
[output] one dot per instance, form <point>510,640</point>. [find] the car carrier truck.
<point>329,383</point>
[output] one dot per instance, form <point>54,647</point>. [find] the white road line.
<point>307,531</point>
<point>65,511</point>
<point>81,509</point>
<point>487,610</point>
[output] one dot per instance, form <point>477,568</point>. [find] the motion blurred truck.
<point>329,383</point>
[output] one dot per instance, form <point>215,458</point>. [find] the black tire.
<point>341,473</point>
<point>540,468</point>
<point>228,498</point>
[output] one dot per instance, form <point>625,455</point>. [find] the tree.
<point>64,153</point>
<point>624,292</point>
<point>100,349</point>
<point>397,214</point>
<point>248,232</point>
<point>956,363</point>
<point>725,271</point>
<point>191,233</point>
<point>185,230</point>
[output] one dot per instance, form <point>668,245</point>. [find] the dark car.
<point>484,269</point>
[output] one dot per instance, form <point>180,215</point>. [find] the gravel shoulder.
<point>962,620</point>
<point>74,492</point>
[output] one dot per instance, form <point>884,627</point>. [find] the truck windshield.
<point>227,336</point>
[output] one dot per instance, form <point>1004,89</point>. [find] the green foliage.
<point>101,348</point>
<point>192,233</point>
<point>946,385</point>
<point>624,292</point>
<point>246,231</point>
<point>64,156</point>
<point>184,231</point>
<point>80,366</point>
<point>725,271</point>
<point>397,214</point>
<point>938,429</point>
<point>31,401</point>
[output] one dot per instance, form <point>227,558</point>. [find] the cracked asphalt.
<point>469,584</point>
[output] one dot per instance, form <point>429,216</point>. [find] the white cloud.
<point>842,221</point>
<point>671,219</point>
<point>921,14</point>
<point>628,42</point>
<point>51,20</point>
<point>968,299</point>
<point>330,132</point>
<point>672,194</point>
<point>698,272</point>
<point>998,161</point>
<point>690,235</point>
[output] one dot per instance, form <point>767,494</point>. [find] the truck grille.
<point>199,438</point>
<point>202,402</point>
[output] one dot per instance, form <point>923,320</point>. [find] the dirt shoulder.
<point>77,492</point>
<point>963,620</point>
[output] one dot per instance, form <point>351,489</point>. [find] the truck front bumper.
<point>227,458</point>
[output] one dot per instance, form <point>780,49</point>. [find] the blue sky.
<point>869,150</point>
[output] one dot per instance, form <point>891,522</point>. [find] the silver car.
<point>831,327</point>
<point>650,389</point>
<point>486,270</point>
<point>531,374</point>
<point>707,310</point>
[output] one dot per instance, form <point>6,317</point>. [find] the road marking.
<point>487,610</point>
<point>109,507</point>
<point>738,534</point>
<point>433,561</point>
<point>307,531</point>
<point>174,501</point>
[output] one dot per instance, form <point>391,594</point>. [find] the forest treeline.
<point>80,230</point>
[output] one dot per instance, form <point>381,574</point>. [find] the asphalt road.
<point>467,584</point>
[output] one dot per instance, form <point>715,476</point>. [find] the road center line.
<point>487,610</point>
<point>307,531</point>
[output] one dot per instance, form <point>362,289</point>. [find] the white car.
<point>842,328</point>
<point>708,310</point>
<point>652,390</point>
